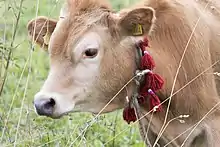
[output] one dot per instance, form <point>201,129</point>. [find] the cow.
<point>92,51</point>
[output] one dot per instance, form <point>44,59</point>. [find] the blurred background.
<point>22,72</point>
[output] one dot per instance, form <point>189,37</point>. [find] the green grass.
<point>24,127</point>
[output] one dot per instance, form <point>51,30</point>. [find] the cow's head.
<point>92,55</point>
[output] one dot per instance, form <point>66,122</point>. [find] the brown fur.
<point>175,21</point>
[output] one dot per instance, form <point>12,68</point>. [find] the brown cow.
<point>92,55</point>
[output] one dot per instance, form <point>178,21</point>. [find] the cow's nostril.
<point>51,103</point>
<point>45,106</point>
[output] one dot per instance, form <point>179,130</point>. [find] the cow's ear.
<point>40,30</point>
<point>136,22</point>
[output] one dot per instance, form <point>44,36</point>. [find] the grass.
<point>26,73</point>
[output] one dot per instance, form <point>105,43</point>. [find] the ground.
<point>19,124</point>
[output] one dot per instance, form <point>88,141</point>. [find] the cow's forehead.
<point>86,13</point>
<point>76,18</point>
<point>71,27</point>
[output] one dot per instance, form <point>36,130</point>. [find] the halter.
<point>147,84</point>
<point>146,88</point>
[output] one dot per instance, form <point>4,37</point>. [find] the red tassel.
<point>129,114</point>
<point>147,61</point>
<point>153,81</point>
<point>143,44</point>
<point>154,101</point>
<point>157,82</point>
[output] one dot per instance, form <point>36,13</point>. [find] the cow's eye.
<point>90,53</point>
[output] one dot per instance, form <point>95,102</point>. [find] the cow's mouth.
<point>54,116</point>
<point>58,116</point>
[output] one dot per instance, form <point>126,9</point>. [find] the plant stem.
<point>11,47</point>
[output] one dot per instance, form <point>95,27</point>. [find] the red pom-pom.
<point>147,61</point>
<point>153,81</point>
<point>154,101</point>
<point>143,44</point>
<point>129,115</point>
<point>157,82</point>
